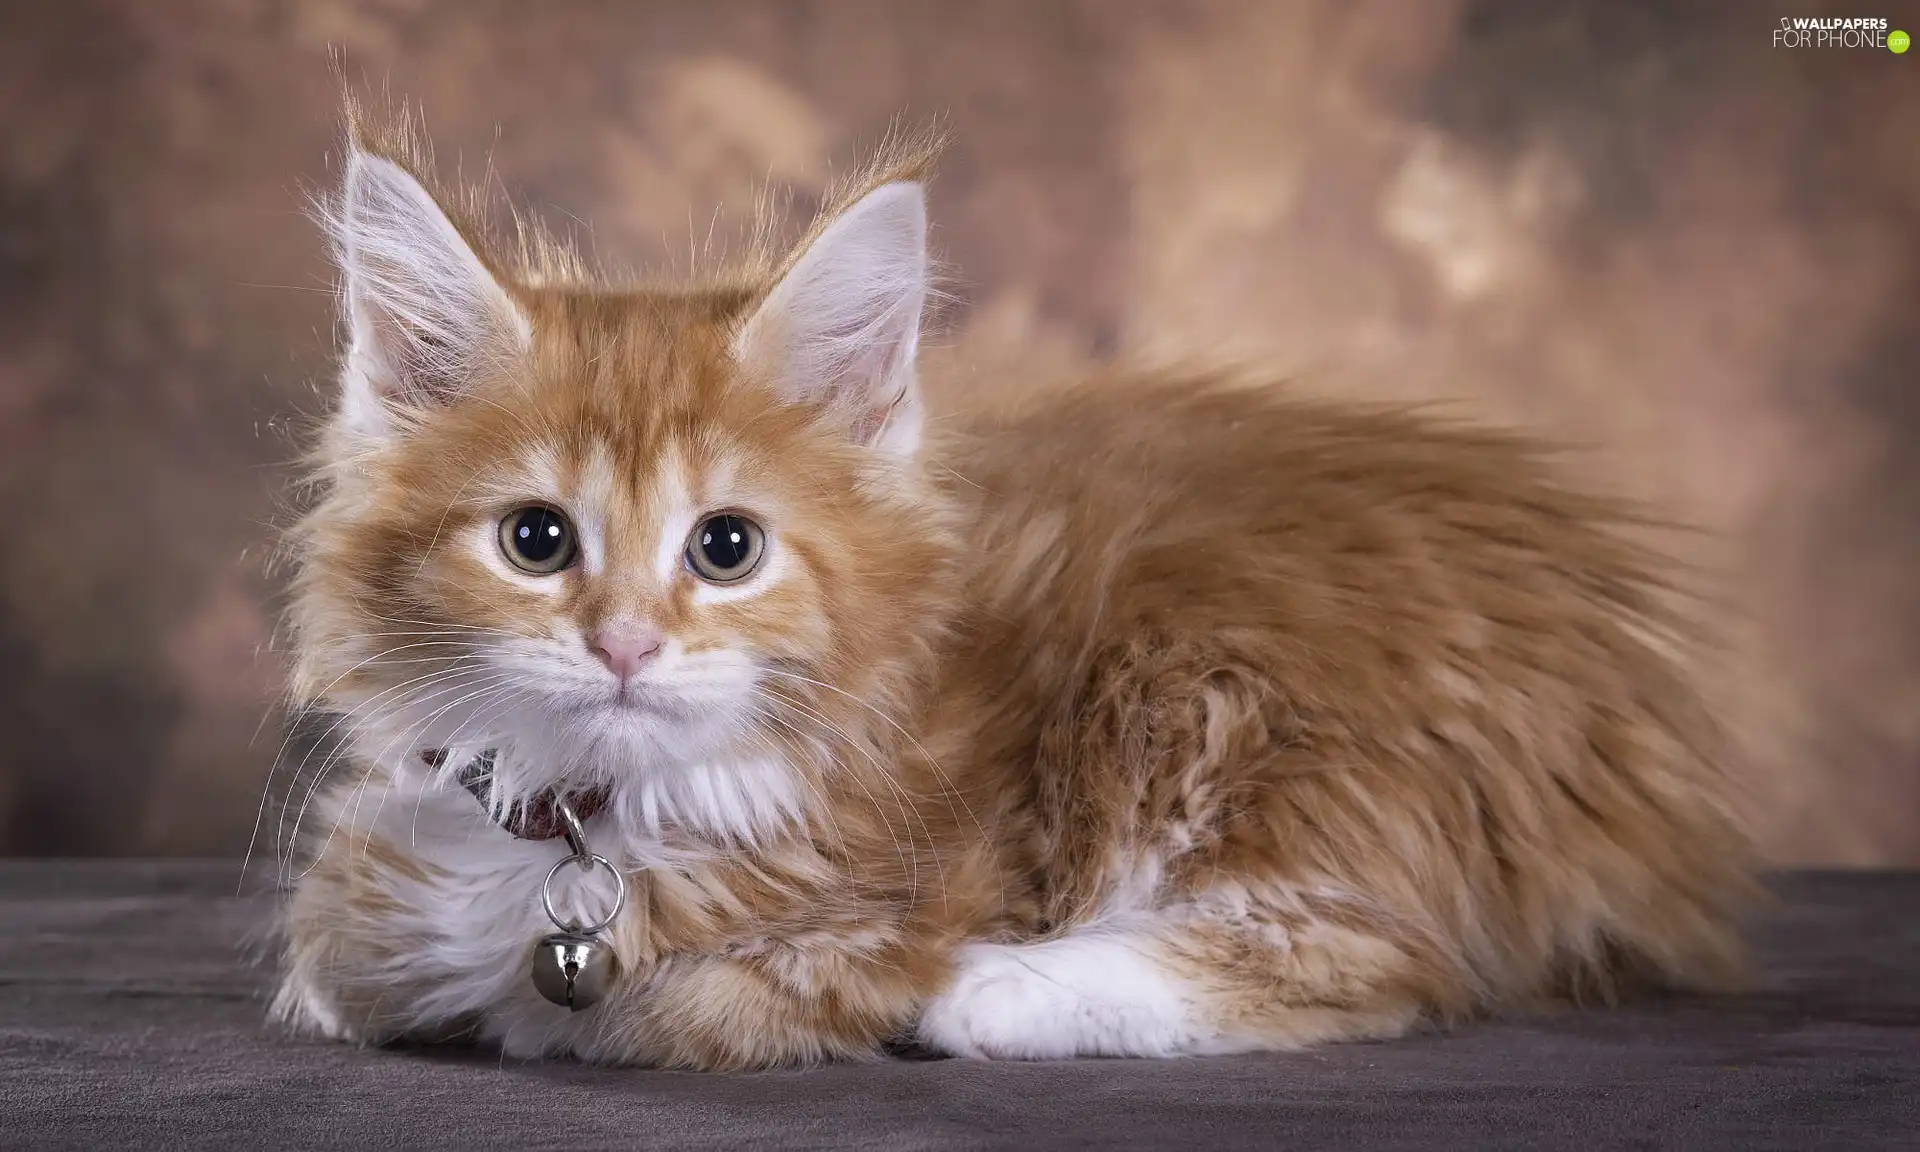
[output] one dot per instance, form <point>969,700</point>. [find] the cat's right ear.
<point>424,313</point>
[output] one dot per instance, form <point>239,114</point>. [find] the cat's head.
<point>623,535</point>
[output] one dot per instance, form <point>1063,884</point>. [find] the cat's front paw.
<point>1056,1000</point>
<point>990,1012</point>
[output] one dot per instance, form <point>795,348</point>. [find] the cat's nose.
<point>625,650</point>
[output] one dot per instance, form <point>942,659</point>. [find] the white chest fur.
<point>470,913</point>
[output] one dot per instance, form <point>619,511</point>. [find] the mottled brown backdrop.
<point>1635,224</point>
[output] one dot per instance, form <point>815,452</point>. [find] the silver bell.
<point>573,970</point>
<point>571,967</point>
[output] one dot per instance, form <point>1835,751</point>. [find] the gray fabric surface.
<point>128,1017</point>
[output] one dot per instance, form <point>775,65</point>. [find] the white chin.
<point>653,730</point>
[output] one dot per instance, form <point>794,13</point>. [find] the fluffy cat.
<point>1147,716</point>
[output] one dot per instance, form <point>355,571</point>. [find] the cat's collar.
<point>540,818</point>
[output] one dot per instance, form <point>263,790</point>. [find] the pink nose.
<point>625,650</point>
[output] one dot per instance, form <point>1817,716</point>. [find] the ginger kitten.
<point>1145,717</point>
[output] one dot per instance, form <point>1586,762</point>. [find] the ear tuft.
<point>426,315</point>
<point>841,329</point>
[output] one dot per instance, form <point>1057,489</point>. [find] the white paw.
<point>1092,995</point>
<point>991,1009</point>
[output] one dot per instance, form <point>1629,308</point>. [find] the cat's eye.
<point>725,549</point>
<point>537,539</point>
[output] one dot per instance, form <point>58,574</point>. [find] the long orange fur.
<point>1355,718</point>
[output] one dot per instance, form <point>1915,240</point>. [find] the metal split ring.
<point>575,834</point>
<point>586,862</point>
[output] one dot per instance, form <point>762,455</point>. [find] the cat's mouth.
<point>634,700</point>
<point>632,697</point>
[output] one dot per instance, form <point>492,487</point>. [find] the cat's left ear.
<point>841,328</point>
<point>426,315</point>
